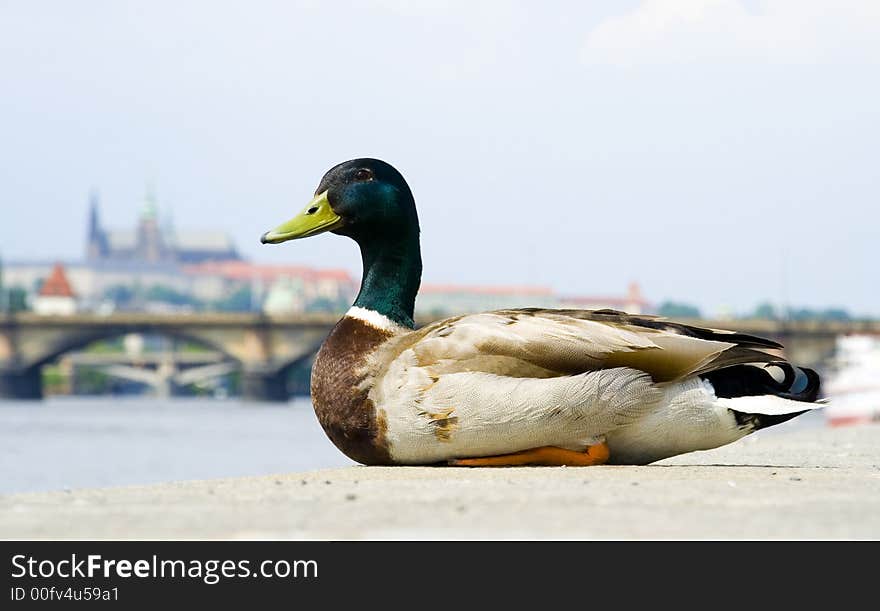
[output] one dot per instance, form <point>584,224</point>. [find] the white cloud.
<point>779,31</point>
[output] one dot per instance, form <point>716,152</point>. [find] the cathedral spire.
<point>96,239</point>
<point>150,210</point>
<point>150,246</point>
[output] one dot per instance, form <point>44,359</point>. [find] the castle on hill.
<point>153,242</point>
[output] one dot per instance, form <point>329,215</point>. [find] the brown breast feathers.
<point>348,416</point>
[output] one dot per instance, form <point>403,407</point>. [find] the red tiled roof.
<point>620,301</point>
<point>242,270</point>
<point>56,285</point>
<point>633,295</point>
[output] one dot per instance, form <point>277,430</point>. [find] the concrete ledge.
<point>812,484</point>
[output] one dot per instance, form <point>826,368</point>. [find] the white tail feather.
<point>769,405</point>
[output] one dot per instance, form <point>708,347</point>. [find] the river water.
<point>86,442</point>
<point>82,442</point>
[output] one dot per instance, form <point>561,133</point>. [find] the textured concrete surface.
<point>812,484</point>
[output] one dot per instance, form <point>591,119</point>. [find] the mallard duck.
<point>517,387</point>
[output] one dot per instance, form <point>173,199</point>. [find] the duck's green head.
<point>370,202</point>
<point>365,199</point>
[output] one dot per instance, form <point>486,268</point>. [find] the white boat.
<point>852,384</point>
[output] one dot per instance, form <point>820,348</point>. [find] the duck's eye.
<point>363,174</point>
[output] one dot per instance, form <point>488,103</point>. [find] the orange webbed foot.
<point>547,456</point>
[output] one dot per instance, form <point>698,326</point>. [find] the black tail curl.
<point>797,383</point>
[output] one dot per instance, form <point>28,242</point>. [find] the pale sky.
<point>718,152</point>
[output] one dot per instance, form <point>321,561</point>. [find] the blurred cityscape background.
<point>153,268</point>
<point>193,278</point>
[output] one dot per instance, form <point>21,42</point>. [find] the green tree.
<point>765,311</point>
<point>673,309</point>
<point>54,380</point>
<point>827,314</point>
<point>801,314</point>
<point>18,301</point>
<point>93,381</point>
<point>111,345</point>
<point>239,301</point>
<point>120,294</point>
<point>836,314</point>
<point>166,294</point>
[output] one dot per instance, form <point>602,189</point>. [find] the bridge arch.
<point>165,381</point>
<point>70,343</point>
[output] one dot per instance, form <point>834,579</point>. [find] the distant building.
<point>274,288</point>
<point>444,299</point>
<point>156,268</point>
<point>632,303</point>
<point>151,242</point>
<point>56,297</point>
<point>91,281</point>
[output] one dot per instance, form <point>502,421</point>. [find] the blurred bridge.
<point>265,348</point>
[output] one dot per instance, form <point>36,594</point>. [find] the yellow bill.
<point>317,217</point>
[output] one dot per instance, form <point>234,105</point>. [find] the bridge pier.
<point>21,383</point>
<point>264,386</point>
